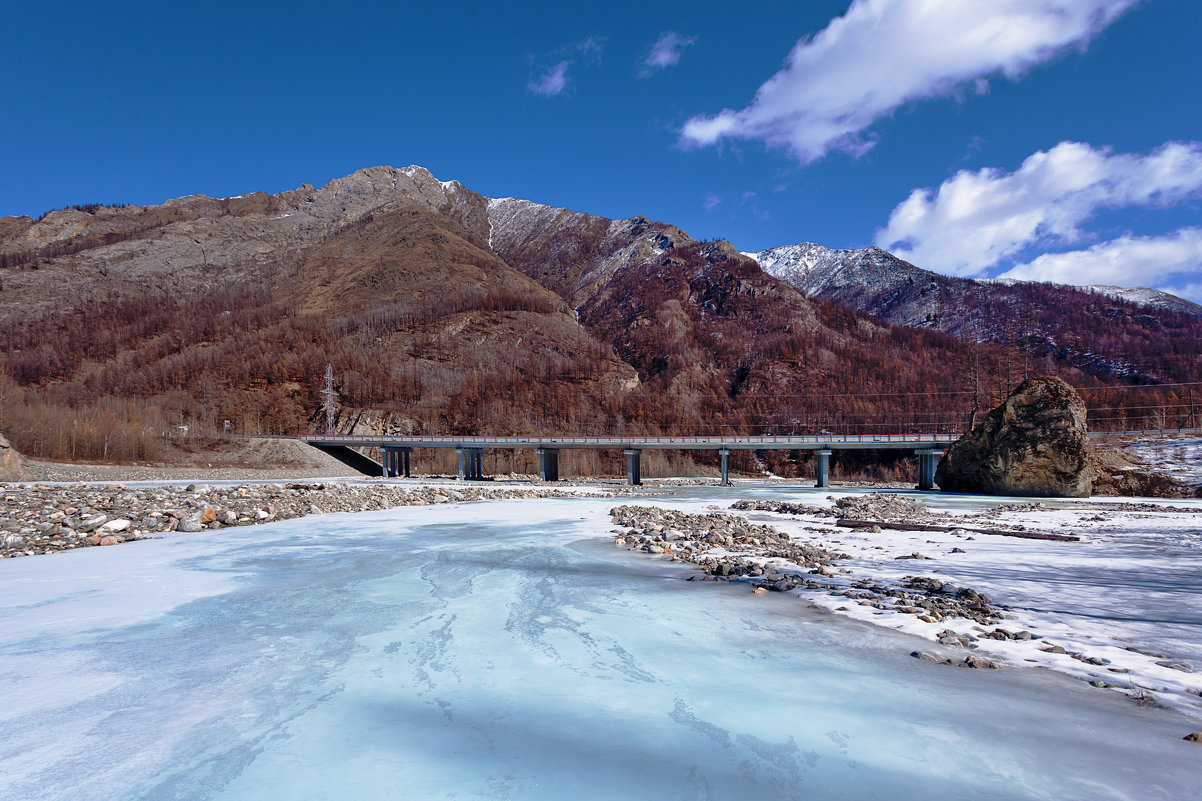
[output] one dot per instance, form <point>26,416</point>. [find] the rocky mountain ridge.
<point>819,271</point>
<point>1038,318</point>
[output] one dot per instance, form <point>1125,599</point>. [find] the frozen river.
<point>507,650</point>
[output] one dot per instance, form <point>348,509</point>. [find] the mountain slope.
<point>733,348</point>
<point>1140,336</point>
<point>443,311</point>
<point>224,313</point>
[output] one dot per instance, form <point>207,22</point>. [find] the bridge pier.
<point>724,455</point>
<point>928,461</point>
<point>633,475</point>
<point>396,461</point>
<point>471,463</point>
<point>548,464</point>
<point>823,471</point>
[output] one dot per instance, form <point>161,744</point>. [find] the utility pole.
<point>331,399</point>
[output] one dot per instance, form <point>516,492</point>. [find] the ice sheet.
<point>507,650</point>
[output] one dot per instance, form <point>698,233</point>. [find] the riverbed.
<point>508,650</point>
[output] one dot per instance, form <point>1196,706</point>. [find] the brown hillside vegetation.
<point>440,312</point>
<point>739,351</point>
<point>1108,337</point>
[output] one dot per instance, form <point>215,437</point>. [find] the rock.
<point>115,525</point>
<point>92,522</point>
<point>1035,443</point>
<point>1055,649</point>
<point>1193,737</point>
<point>880,506</point>
<point>12,541</point>
<point>12,464</point>
<point>208,516</point>
<point>108,541</point>
<point>980,662</point>
<point>1184,667</point>
<point>924,656</point>
<point>190,525</point>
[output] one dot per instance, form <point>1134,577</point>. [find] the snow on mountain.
<point>813,268</point>
<point>831,273</point>
<point>1147,297</point>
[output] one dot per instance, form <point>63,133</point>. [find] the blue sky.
<point>1049,139</point>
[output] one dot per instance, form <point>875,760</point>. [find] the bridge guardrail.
<point>667,443</point>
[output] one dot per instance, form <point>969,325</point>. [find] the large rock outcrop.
<point>12,464</point>
<point>1034,444</point>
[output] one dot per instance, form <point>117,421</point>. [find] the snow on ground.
<point>1126,596</point>
<point>1180,458</point>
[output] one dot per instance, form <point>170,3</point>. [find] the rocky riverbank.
<point>40,519</point>
<point>728,547</point>
<point>868,572</point>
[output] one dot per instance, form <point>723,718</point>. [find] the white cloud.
<point>553,79</point>
<point>1155,261</point>
<point>1188,291</point>
<point>977,219</point>
<point>665,52</point>
<point>590,49</point>
<point>552,82</point>
<point>884,53</point>
<point>710,202</point>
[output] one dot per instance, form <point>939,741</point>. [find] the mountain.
<point>1143,296</point>
<point>122,325</point>
<point>443,311</point>
<point>1136,335</point>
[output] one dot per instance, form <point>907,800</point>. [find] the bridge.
<point>397,450</point>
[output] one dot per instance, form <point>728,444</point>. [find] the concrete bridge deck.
<point>791,442</point>
<point>396,449</point>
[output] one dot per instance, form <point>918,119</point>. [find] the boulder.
<point>191,524</point>
<point>92,522</point>
<point>12,464</point>
<point>1034,444</point>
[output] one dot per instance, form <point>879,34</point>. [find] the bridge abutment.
<point>548,464</point>
<point>822,472</point>
<point>633,473</point>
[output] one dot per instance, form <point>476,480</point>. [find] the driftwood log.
<point>995,532</point>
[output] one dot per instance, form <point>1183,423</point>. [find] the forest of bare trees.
<point>427,332</point>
